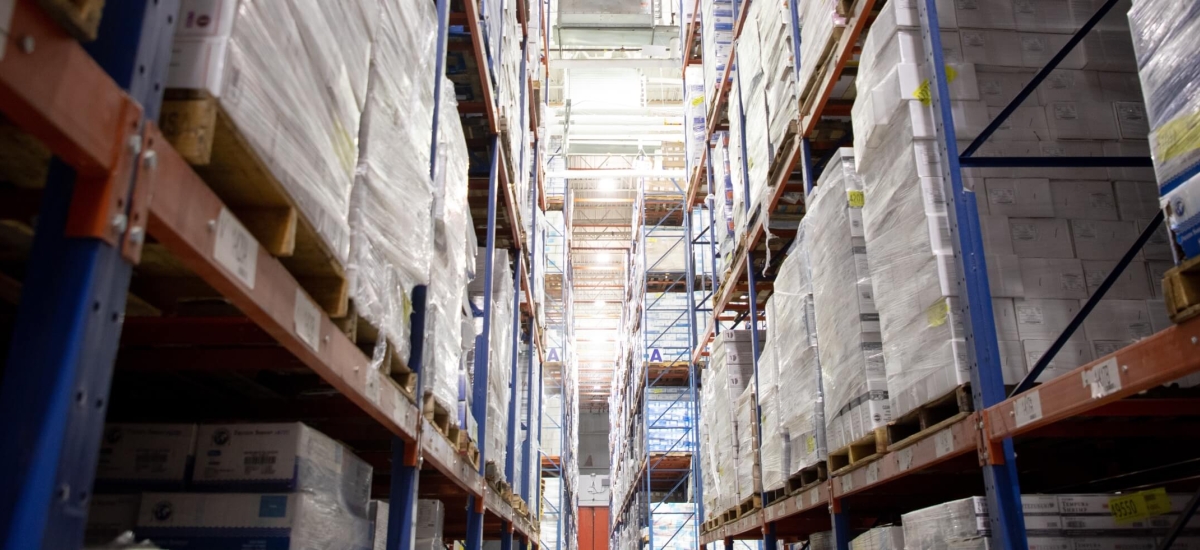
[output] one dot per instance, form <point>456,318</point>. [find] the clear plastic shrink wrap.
<point>499,373</point>
<point>890,537</point>
<point>1165,38</point>
<point>851,354</point>
<point>792,322</point>
<point>290,76</point>
<point>749,473</point>
<point>452,260</point>
<point>290,521</point>
<point>771,450</point>
<point>392,195</point>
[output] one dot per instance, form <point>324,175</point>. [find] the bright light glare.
<point>599,303</point>
<point>604,257</point>
<point>607,184</point>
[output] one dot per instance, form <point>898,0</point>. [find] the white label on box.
<point>235,248</point>
<point>943,442</point>
<point>1065,111</point>
<point>1103,379</point>
<point>1028,408</point>
<point>1073,282</point>
<point>872,472</point>
<point>1002,196</point>
<point>1029,315</point>
<point>307,319</point>
<point>6,11</point>
<point>1085,229</point>
<point>1023,231</point>
<point>904,459</point>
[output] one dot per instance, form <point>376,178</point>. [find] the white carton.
<point>1041,238</point>
<point>431,518</point>
<point>1023,197</point>
<point>1103,240</point>
<point>286,521</point>
<point>1072,355</point>
<point>146,456</point>
<point>1136,199</point>
<point>1025,123</point>
<point>1045,319</point>
<point>997,88</point>
<point>984,14</point>
<point>991,47</point>
<point>1133,283</point>
<point>1118,320</point>
<point>1158,246</point>
<point>1070,85</point>
<point>1081,120</point>
<point>1005,318</point>
<point>1132,122</point>
<point>281,457</point>
<point>1084,199</point>
<point>1060,278</point>
<point>109,516</point>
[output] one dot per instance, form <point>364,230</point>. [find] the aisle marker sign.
<point>235,248</point>
<point>307,319</point>
<point>552,356</point>
<point>1140,505</point>
<point>656,356</point>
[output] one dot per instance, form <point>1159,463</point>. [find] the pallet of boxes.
<point>1050,236</point>
<point>732,482</point>
<point>283,486</point>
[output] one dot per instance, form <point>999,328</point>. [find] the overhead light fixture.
<point>604,257</point>
<point>599,303</point>
<point>607,184</point>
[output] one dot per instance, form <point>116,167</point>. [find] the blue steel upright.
<point>56,382</point>
<point>532,465</point>
<point>510,442</point>
<point>479,385</point>
<point>987,383</point>
<point>693,396</point>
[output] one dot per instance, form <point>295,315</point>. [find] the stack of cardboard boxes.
<point>254,485</point>
<point>1050,237</point>
<point>730,373</point>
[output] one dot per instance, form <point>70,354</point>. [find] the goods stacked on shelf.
<point>694,113</point>
<point>766,80</point>
<point>390,254</point>
<point>672,528</point>
<point>431,519</point>
<point>500,355</point>
<point>792,332</point>
<point>297,65</point>
<point>730,372</point>
<point>1050,238</point>
<point>1053,522</point>
<point>850,351</point>
<point>669,420</point>
<point>890,537</point>
<point>722,210</point>
<point>551,511</point>
<point>716,36</point>
<point>1165,41</point>
<point>277,482</point>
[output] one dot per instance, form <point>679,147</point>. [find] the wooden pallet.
<point>206,136</point>
<point>807,477</point>
<point>790,137</point>
<point>1181,290</point>
<point>437,414</point>
<point>861,451</point>
<point>775,495</point>
<point>926,419</point>
<point>81,18</point>
<point>729,515</point>
<point>470,453</point>
<point>385,354</point>
<point>749,506</point>
<point>826,61</point>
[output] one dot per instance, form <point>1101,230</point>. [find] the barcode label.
<point>307,320</point>
<point>943,442</point>
<point>235,248</point>
<point>1028,408</point>
<point>258,460</point>
<point>1103,379</point>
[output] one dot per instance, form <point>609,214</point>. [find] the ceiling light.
<point>607,184</point>
<point>599,303</point>
<point>604,257</point>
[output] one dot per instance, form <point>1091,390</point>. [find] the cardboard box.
<point>997,48</point>
<point>1132,121</point>
<point>1072,355</point>
<point>1019,197</point>
<point>1041,238</point>
<point>1037,48</point>
<point>279,457</point>
<point>1084,199</point>
<point>998,89</point>
<point>1103,240</point>
<point>1157,270</point>
<point>1005,318</point>
<point>1118,320</point>
<point>1040,319</point>
<point>1058,278</point>
<point>1070,85</point>
<point>1136,199</point>
<point>109,516</point>
<point>1133,284</point>
<point>1081,120</point>
<point>1025,123</point>
<point>1159,245</point>
<point>984,14</point>
<point>145,456</point>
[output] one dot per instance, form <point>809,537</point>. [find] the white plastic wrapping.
<point>1165,37</point>
<point>286,520</point>
<point>291,76</point>
<point>749,473</point>
<point>392,196</point>
<point>851,350</point>
<point>890,537</point>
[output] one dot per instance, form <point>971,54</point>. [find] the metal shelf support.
<point>56,384</point>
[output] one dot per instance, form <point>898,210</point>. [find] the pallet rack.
<point>661,367</point>
<point>118,187</point>
<point>973,454</point>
